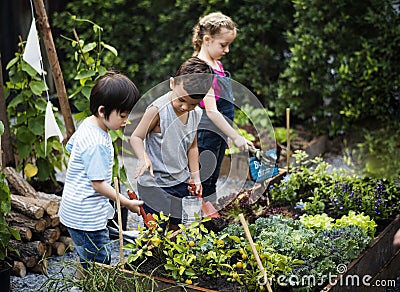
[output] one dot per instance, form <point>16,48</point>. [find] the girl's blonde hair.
<point>210,24</point>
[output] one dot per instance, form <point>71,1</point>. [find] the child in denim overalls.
<point>212,36</point>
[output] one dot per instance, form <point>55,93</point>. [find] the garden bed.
<point>379,261</point>
<point>378,264</point>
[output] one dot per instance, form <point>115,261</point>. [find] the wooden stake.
<point>288,138</point>
<point>253,248</point>
<point>47,37</point>
<point>121,238</point>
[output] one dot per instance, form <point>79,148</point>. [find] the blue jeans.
<point>91,246</point>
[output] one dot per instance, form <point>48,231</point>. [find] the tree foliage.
<point>344,66</point>
<point>334,63</point>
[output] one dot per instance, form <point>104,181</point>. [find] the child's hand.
<point>242,143</point>
<point>396,239</point>
<point>133,205</point>
<point>144,165</point>
<point>196,189</point>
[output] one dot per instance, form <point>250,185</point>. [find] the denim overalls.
<point>211,141</point>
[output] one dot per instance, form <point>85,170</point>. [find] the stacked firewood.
<point>34,215</point>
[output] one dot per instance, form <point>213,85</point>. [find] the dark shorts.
<point>165,199</point>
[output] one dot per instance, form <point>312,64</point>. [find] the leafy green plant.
<point>26,111</point>
<point>367,225</point>
<point>377,154</point>
<point>319,250</point>
<point>314,187</point>
<point>6,232</point>
<point>92,58</point>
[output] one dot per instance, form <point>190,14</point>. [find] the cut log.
<point>18,219</point>
<point>28,252</point>
<point>63,229</point>
<point>24,232</point>
<point>19,269</point>
<point>19,183</point>
<point>28,248</point>
<point>39,268</point>
<point>58,248</point>
<point>49,197</point>
<point>68,242</point>
<point>26,208</point>
<point>54,220</point>
<point>49,249</point>
<point>48,221</point>
<point>50,207</point>
<point>49,235</point>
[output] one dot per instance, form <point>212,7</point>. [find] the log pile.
<point>34,215</point>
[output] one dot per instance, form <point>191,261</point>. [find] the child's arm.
<point>148,122</point>
<point>396,239</point>
<point>218,119</point>
<point>100,186</point>
<point>194,168</point>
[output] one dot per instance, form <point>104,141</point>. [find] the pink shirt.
<point>215,85</point>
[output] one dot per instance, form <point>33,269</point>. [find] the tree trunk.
<point>54,220</point>
<point>50,197</point>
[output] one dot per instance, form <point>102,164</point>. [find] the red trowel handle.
<point>132,195</point>
<point>192,188</point>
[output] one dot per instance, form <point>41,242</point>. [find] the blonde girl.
<point>212,36</point>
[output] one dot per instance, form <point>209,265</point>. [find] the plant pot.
<point>5,273</point>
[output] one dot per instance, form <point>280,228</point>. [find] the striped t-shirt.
<point>91,159</point>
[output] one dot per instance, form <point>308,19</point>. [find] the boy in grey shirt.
<point>165,141</point>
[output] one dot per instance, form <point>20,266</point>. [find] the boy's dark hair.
<point>196,76</point>
<point>114,91</point>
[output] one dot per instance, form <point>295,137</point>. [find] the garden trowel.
<point>147,218</point>
<point>207,208</point>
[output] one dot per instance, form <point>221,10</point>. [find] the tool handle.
<point>192,187</point>
<point>132,195</point>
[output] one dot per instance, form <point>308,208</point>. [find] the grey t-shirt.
<point>168,150</point>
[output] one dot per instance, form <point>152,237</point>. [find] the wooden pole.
<point>47,37</point>
<point>288,138</point>
<point>255,253</point>
<point>121,238</point>
<point>6,149</point>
